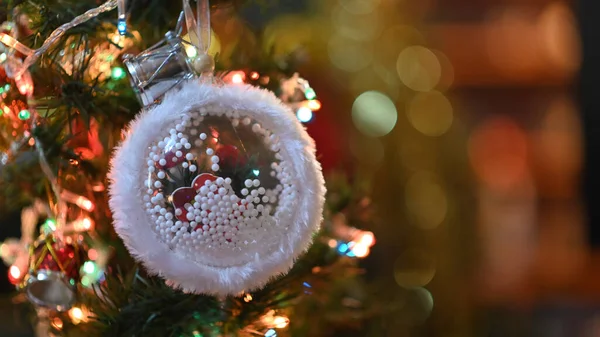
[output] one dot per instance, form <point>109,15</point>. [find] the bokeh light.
<point>304,114</point>
<point>426,200</point>
<point>558,29</point>
<point>374,114</point>
<point>414,268</point>
<point>359,6</point>
<point>498,151</point>
<point>360,27</point>
<point>349,55</point>
<point>430,113</point>
<point>419,68</point>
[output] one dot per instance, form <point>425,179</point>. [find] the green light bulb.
<point>310,93</point>
<point>24,114</point>
<point>7,87</point>
<point>117,73</point>
<point>89,267</point>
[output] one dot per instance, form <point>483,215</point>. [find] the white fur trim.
<point>128,170</point>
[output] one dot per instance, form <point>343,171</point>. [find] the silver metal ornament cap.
<point>50,289</point>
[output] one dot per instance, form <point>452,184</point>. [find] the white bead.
<point>254,193</point>
<point>235,122</point>
<point>246,121</point>
<point>151,169</point>
<point>214,159</point>
<point>157,184</point>
<point>150,162</point>
<point>261,190</point>
<point>178,146</point>
<point>203,136</point>
<point>190,216</point>
<point>220,181</point>
<point>244,191</point>
<point>228,181</point>
<point>256,182</point>
<point>178,211</point>
<point>210,151</point>
<point>161,144</point>
<point>203,189</point>
<point>161,175</point>
<point>256,128</point>
<point>188,146</point>
<point>192,168</point>
<point>162,162</point>
<point>222,191</point>
<point>248,183</point>
<point>185,164</point>
<point>179,154</point>
<point>256,200</point>
<point>180,135</point>
<point>215,167</point>
<point>265,199</point>
<point>189,156</point>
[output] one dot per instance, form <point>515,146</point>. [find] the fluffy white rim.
<point>128,169</point>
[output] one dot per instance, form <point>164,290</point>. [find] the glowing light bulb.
<point>117,73</point>
<point>3,57</point>
<point>24,114</point>
<point>14,273</point>
<point>87,223</point>
<point>85,203</point>
<point>237,78</point>
<point>367,239</point>
<point>89,267</point>
<point>50,224</point>
<point>6,109</point>
<point>360,250</point>
<point>247,298</point>
<point>314,105</point>
<point>254,75</point>
<point>280,322</point>
<point>304,114</point>
<point>310,93</point>
<point>122,26</point>
<point>76,315</point>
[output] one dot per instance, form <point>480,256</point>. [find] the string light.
<point>14,274</point>
<point>310,93</point>
<point>237,77</point>
<point>24,114</point>
<point>280,322</point>
<point>57,323</point>
<point>314,105</point>
<point>50,225</point>
<point>304,114</point>
<point>247,298</point>
<point>117,73</point>
<point>79,200</point>
<point>254,75</point>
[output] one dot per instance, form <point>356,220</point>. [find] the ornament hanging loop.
<point>198,28</point>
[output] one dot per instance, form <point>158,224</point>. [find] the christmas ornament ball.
<point>216,189</point>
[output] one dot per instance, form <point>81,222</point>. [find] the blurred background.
<point>477,123</point>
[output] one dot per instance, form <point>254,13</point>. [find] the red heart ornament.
<point>186,195</point>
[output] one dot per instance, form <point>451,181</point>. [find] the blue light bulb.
<point>122,27</point>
